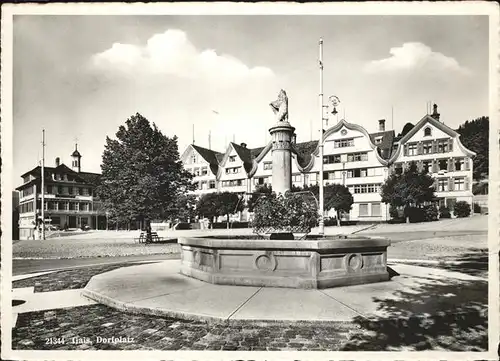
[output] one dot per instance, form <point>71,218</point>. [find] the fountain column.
<point>282,134</point>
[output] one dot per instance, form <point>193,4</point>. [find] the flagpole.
<point>321,190</point>
<point>43,184</point>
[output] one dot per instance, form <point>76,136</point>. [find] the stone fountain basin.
<point>311,263</point>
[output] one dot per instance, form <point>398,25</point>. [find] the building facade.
<point>69,198</point>
<point>360,160</point>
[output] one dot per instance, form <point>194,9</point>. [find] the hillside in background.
<point>474,135</point>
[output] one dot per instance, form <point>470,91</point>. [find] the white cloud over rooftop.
<point>415,56</point>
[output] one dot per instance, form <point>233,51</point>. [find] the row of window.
<point>354,173</point>
<point>429,147</point>
<point>203,185</point>
<point>434,166</point>
<point>198,171</point>
<point>64,177</point>
<point>451,184</point>
<point>364,188</point>
<point>63,190</point>
<point>234,170</point>
<point>26,207</point>
<point>351,157</point>
<point>343,143</point>
<point>67,206</point>
<point>55,206</point>
<point>233,183</point>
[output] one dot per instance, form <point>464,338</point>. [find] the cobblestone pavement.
<point>66,280</point>
<point>152,333</point>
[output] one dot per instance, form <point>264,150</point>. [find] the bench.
<point>154,238</point>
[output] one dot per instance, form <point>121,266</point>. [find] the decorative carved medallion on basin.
<point>354,262</point>
<point>265,262</point>
<point>197,257</point>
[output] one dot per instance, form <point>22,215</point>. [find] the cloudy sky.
<point>83,76</point>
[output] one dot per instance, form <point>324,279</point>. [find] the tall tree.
<point>474,135</point>
<point>142,175</point>
<point>408,189</point>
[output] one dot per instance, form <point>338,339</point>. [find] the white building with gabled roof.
<point>360,160</point>
<point>436,148</point>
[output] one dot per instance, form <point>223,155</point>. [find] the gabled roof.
<point>385,146</point>
<point>86,177</point>
<point>304,151</point>
<point>209,155</point>
<point>243,152</point>
<point>427,119</point>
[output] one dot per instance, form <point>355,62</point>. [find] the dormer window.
<point>427,132</point>
<point>378,140</point>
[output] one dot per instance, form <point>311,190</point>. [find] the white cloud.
<point>172,53</point>
<point>412,57</point>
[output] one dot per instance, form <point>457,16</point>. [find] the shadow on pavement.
<point>463,327</point>
<point>474,263</point>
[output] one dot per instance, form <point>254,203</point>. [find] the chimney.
<point>435,113</point>
<point>58,162</point>
<point>244,145</point>
<point>381,125</point>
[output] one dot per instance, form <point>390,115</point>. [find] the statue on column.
<point>280,107</point>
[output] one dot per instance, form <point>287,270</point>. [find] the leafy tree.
<point>336,196</point>
<point>474,135</point>
<point>185,207</point>
<point>142,176</point>
<point>283,213</point>
<point>206,206</point>
<point>409,189</point>
<point>259,191</point>
<point>219,204</point>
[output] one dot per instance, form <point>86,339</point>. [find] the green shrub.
<point>444,212</point>
<point>462,209</point>
<point>430,213</point>
<point>393,212</point>
<point>477,208</point>
<point>282,213</point>
<point>416,214</point>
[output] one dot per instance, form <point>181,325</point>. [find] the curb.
<point>427,261</point>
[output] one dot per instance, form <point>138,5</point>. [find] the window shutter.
<point>434,146</point>
<point>450,145</point>
<point>434,166</point>
<point>450,165</point>
<point>466,183</point>
<point>467,163</point>
<point>420,148</point>
<point>406,149</point>
<point>450,184</point>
